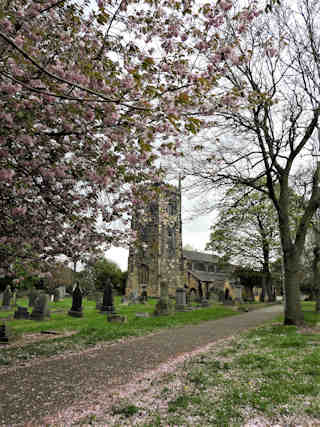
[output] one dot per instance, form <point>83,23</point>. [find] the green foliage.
<point>245,231</point>
<point>102,269</point>
<point>127,410</point>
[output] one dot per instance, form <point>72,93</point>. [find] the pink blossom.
<point>19,210</point>
<point>225,5</point>
<point>272,52</point>
<point>6,174</point>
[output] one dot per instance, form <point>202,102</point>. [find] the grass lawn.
<point>92,327</point>
<point>269,376</point>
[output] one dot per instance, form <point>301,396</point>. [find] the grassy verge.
<point>93,327</point>
<point>269,376</point>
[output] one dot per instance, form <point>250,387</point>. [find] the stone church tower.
<point>157,255</point>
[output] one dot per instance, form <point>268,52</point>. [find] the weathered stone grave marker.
<point>4,338</point>
<point>107,302</point>
<point>41,308</point>
<point>33,295</point>
<point>76,309</point>
<point>144,295</point>
<point>133,298</point>
<point>164,306</point>
<point>181,302</point>
<point>116,318</point>
<point>21,313</point>
<point>6,299</point>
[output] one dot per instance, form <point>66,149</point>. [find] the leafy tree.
<point>91,93</point>
<point>246,232</point>
<point>101,269</point>
<point>266,123</point>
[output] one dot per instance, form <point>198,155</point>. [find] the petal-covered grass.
<point>269,376</point>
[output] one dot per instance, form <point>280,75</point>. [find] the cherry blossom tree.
<point>91,94</point>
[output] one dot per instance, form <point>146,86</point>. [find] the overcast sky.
<point>195,233</point>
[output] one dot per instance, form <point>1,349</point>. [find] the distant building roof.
<point>199,256</point>
<point>217,279</point>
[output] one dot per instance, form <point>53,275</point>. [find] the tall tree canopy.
<point>90,94</point>
<point>246,232</point>
<point>266,116</point>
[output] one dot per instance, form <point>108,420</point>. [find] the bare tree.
<point>266,124</point>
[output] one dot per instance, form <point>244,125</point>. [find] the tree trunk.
<point>266,280</point>
<point>316,276</point>
<point>292,313</point>
<point>270,293</point>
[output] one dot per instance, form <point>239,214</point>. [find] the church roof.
<point>199,256</point>
<point>207,276</point>
<point>204,276</point>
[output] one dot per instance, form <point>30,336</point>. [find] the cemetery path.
<point>53,387</point>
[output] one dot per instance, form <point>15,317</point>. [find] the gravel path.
<point>28,394</point>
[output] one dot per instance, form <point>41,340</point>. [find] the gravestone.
<point>14,299</point>
<point>76,309</point>
<point>237,289</point>
<point>4,338</point>
<point>116,318</point>
<point>164,306</point>
<point>205,303</point>
<point>21,313</point>
<point>62,291</point>
<point>142,315</point>
<point>41,308</point>
<point>188,298</point>
<point>133,297</point>
<point>33,295</point>
<point>107,302</point>
<point>6,298</point>
<point>56,296</point>
<point>98,298</point>
<point>124,300</point>
<point>144,295</point>
<point>181,301</point>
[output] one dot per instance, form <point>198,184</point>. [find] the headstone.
<point>14,299</point>
<point>143,315</point>
<point>6,299</point>
<point>133,297</point>
<point>33,295</point>
<point>237,289</point>
<point>144,295</point>
<point>76,309</point>
<point>205,303</point>
<point>62,291</point>
<point>107,302</point>
<point>56,296</point>
<point>124,300</point>
<point>4,338</point>
<point>21,313</point>
<point>98,299</point>
<point>164,306</point>
<point>116,318</point>
<point>41,308</point>
<point>181,301</point>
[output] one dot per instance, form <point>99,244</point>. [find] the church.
<point>158,255</point>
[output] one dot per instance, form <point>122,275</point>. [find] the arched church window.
<point>172,207</point>
<point>143,274</point>
<point>171,240</point>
